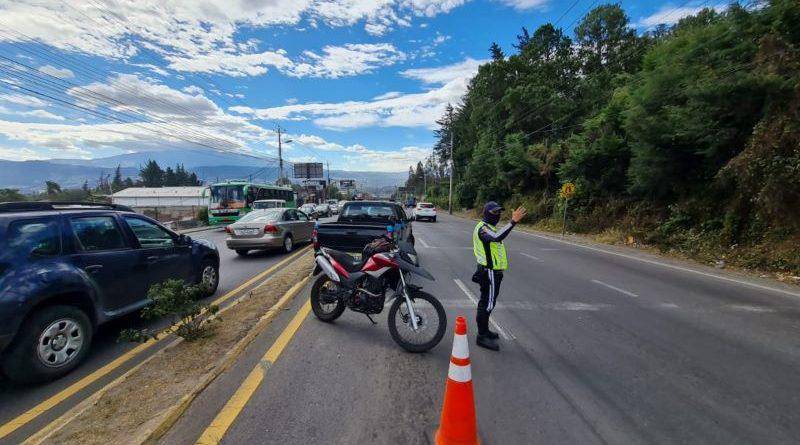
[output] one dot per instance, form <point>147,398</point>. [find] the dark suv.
<point>66,268</point>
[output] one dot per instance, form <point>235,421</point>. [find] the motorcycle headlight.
<point>411,258</point>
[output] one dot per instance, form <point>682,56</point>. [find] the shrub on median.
<point>178,301</point>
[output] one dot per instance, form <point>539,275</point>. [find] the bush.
<point>178,301</point>
<point>202,215</point>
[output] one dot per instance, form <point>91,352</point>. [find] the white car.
<point>334,206</point>
<point>425,210</point>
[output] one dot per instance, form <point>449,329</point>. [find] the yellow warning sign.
<point>567,190</point>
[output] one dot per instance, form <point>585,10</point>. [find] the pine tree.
<point>496,52</point>
<point>116,184</point>
<point>152,175</point>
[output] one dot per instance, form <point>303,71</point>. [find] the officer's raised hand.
<point>518,214</point>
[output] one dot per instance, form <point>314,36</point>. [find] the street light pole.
<point>452,168</point>
<point>280,155</point>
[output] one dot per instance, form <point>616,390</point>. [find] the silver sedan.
<point>269,229</point>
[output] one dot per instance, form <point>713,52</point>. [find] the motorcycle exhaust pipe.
<point>327,267</point>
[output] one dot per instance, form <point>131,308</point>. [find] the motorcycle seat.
<point>350,263</point>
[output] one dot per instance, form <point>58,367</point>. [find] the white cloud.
<point>405,110</point>
<point>19,154</point>
<point>388,95</point>
<point>522,5</point>
<point>445,74</point>
<point>56,72</point>
<point>199,36</point>
<point>19,99</point>
<point>669,15</point>
<point>347,60</point>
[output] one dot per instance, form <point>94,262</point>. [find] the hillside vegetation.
<point>686,138</point>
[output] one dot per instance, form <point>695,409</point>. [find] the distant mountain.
<point>30,176</point>
<point>189,159</point>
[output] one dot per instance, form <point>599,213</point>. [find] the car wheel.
<point>433,219</point>
<point>50,343</point>
<point>242,252</point>
<point>209,277</point>
<point>288,244</point>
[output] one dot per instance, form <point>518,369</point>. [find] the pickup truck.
<point>360,222</point>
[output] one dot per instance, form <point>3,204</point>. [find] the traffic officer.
<point>487,244</point>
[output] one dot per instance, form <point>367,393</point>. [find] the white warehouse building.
<point>178,207</point>
<point>161,197</point>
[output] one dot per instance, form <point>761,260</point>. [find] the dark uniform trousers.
<point>489,280</point>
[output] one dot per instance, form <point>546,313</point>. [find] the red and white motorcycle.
<point>417,320</point>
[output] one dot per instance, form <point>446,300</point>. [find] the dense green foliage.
<point>688,136</point>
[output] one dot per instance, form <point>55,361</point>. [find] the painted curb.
<point>171,416</point>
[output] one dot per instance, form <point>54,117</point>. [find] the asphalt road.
<point>603,345</point>
<point>17,399</point>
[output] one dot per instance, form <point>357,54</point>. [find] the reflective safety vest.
<point>497,250</point>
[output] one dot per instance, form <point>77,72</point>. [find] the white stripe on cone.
<point>458,373</point>
<point>460,347</point>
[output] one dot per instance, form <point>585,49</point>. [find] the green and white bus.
<point>231,200</point>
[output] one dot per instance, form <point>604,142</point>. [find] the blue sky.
<point>358,83</point>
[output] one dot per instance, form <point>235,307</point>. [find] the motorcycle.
<point>417,320</point>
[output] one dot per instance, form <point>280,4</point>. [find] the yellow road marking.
<point>223,421</point>
<point>26,417</point>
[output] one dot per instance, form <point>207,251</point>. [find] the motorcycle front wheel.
<point>431,322</point>
<point>325,301</point>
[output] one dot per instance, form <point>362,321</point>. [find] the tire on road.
<point>316,303</point>
<point>209,277</point>
<point>288,243</point>
<point>440,313</point>
<point>36,353</point>
<point>242,252</point>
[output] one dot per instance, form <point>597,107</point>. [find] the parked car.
<point>323,210</point>
<point>66,268</point>
<point>269,229</point>
<point>262,204</point>
<point>309,209</point>
<point>360,222</point>
<point>334,206</point>
<point>425,210</point>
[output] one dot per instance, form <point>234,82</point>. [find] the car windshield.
<point>426,205</point>
<point>368,211</point>
<point>261,215</point>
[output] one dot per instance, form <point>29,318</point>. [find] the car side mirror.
<point>185,240</point>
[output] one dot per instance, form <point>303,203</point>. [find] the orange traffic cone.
<point>458,425</point>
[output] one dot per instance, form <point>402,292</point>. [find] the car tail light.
<point>228,229</point>
<point>269,228</point>
<point>314,239</point>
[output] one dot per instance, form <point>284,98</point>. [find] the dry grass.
<point>132,407</point>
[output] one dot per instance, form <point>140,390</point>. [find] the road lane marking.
<point>671,266</point>
<point>622,291</point>
<point>215,431</point>
<point>472,298</point>
<point>578,306</point>
<point>54,400</point>
<point>535,258</point>
<point>422,241</point>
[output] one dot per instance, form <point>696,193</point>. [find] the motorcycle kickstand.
<point>370,319</point>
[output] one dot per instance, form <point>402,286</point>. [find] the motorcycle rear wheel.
<point>326,312</point>
<point>398,318</point>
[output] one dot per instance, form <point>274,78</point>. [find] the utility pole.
<point>280,155</point>
<point>328,185</point>
<point>452,166</point>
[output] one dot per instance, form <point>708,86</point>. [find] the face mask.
<point>491,219</point>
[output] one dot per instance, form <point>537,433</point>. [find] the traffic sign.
<point>567,190</point>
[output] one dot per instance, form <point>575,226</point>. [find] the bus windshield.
<point>227,194</point>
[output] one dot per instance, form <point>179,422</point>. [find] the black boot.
<point>485,341</point>
<point>492,335</point>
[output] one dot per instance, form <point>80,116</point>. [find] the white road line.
<point>422,241</point>
<point>622,291</point>
<point>531,256</point>
<point>472,298</point>
<point>671,266</point>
